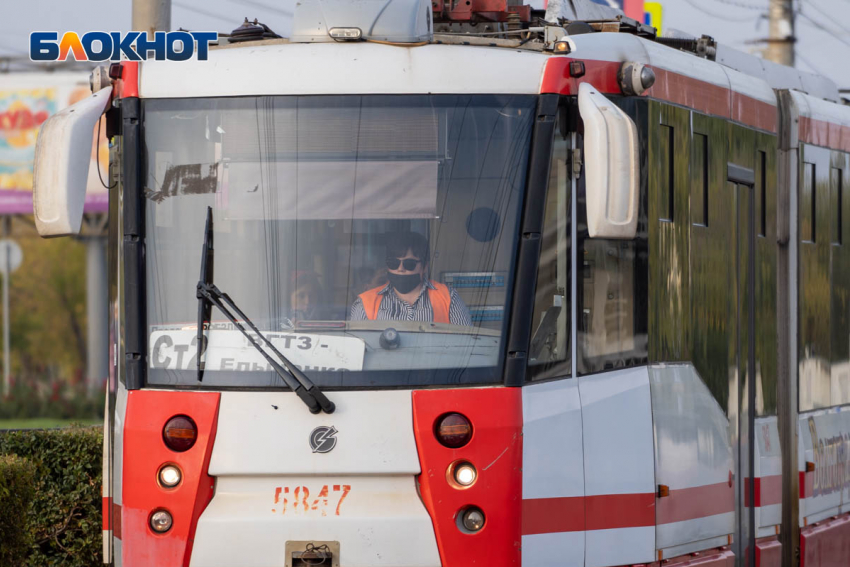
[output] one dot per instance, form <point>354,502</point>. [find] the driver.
<point>410,295</point>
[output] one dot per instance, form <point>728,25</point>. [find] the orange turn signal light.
<point>453,430</point>
<point>180,433</point>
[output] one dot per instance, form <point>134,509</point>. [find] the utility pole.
<point>7,353</point>
<point>151,15</point>
<point>780,43</point>
<point>97,292</point>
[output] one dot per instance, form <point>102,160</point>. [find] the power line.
<point>230,20</point>
<point>743,5</point>
<point>823,28</point>
<point>723,16</point>
<point>13,50</point>
<point>808,63</point>
<point>264,7</point>
<point>830,17</point>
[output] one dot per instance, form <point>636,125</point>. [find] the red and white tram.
<point>631,339</point>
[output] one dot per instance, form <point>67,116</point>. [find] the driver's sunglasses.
<point>409,263</point>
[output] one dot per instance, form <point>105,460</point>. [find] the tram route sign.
<point>229,350</point>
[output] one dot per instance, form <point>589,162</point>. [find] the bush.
<point>65,517</point>
<point>17,488</point>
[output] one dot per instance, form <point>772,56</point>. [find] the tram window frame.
<point>627,293</point>
<point>636,296</point>
<point>836,184</point>
<point>668,169</point>
<point>427,375</point>
<point>700,161</point>
<point>808,205</point>
<point>761,184</point>
<point>557,222</point>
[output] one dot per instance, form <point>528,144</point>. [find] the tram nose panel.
<point>285,476</point>
<point>252,522</point>
<point>272,433</point>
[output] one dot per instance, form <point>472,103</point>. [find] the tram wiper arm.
<point>209,295</point>
<point>206,277</point>
<point>291,374</point>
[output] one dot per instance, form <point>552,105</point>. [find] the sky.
<point>822,26</point>
<point>822,30</point>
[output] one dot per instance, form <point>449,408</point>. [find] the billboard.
<point>26,101</point>
<point>631,8</point>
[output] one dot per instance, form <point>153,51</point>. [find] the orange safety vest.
<point>440,298</point>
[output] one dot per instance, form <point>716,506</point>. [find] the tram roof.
<point>449,64</point>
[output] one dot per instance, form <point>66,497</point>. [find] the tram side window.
<point>667,170</point>
<point>549,351</point>
<point>837,185</point>
<point>612,298</point>
<point>808,205</point>
<point>699,196</point>
<point>761,186</point>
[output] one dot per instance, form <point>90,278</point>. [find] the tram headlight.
<point>161,521</point>
<point>635,78</point>
<point>170,476</point>
<point>465,474</point>
<point>462,474</point>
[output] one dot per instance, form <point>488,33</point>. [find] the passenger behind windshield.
<point>307,299</point>
<point>410,295</point>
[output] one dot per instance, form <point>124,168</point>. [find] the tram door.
<point>741,182</point>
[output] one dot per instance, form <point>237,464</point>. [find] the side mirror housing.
<point>61,169</point>
<point>612,170</point>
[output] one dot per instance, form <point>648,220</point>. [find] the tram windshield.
<point>371,238</point>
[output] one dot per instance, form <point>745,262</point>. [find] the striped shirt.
<point>395,309</point>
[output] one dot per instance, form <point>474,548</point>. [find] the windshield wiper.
<point>204,306</point>
<point>208,294</point>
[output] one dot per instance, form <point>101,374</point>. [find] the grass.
<point>44,423</point>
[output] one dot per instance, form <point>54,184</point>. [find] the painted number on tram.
<point>300,500</point>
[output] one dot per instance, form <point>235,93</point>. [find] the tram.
<point>454,284</point>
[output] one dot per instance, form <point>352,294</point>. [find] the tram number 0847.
<point>297,500</point>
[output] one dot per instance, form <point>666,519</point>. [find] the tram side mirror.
<point>611,166</point>
<point>61,169</point>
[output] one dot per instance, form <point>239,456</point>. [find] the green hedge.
<point>65,517</point>
<point>17,488</point>
<point>58,399</point>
